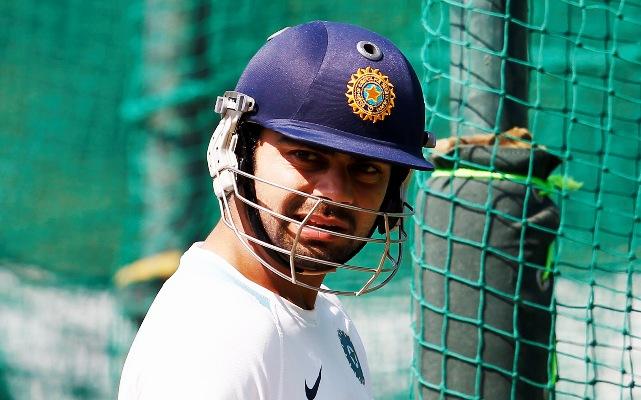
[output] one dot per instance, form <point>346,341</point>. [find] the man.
<point>308,161</point>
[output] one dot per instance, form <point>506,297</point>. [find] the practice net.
<point>526,271</point>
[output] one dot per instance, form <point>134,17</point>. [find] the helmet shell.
<point>302,80</point>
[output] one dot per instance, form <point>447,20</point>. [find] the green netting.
<point>61,138</point>
<point>105,113</point>
<point>569,72</point>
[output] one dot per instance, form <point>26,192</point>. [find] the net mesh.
<point>567,71</point>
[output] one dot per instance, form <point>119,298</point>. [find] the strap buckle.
<point>235,101</point>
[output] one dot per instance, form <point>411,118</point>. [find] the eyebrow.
<point>293,142</point>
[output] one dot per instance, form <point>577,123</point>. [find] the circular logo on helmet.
<point>370,94</point>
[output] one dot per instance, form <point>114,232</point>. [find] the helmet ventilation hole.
<point>369,50</point>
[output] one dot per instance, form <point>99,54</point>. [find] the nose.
<point>335,184</point>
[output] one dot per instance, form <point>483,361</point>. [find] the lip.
<point>331,224</point>
<point>328,223</point>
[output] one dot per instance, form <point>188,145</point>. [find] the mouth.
<point>331,224</point>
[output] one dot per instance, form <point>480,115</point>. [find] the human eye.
<point>306,159</point>
<point>305,155</point>
<point>368,172</point>
<point>369,169</point>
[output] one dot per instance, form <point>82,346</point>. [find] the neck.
<point>224,242</point>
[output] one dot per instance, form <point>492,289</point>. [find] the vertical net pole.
<point>475,74</point>
<point>487,93</point>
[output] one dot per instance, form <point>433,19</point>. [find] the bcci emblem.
<point>370,94</point>
<point>352,357</point>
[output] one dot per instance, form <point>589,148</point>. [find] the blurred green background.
<point>106,109</point>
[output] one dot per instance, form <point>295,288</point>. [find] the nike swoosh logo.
<point>311,393</point>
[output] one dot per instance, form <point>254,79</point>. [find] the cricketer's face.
<point>330,175</point>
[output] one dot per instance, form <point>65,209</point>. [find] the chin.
<point>337,251</point>
<point>324,254</point>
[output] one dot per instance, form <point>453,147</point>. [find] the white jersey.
<point>213,334</point>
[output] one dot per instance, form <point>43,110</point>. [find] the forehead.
<point>278,140</point>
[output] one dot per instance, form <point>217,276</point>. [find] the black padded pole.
<point>484,299</point>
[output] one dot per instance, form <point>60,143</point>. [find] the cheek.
<point>372,197</point>
<point>277,170</point>
<point>269,196</point>
<point>273,197</point>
